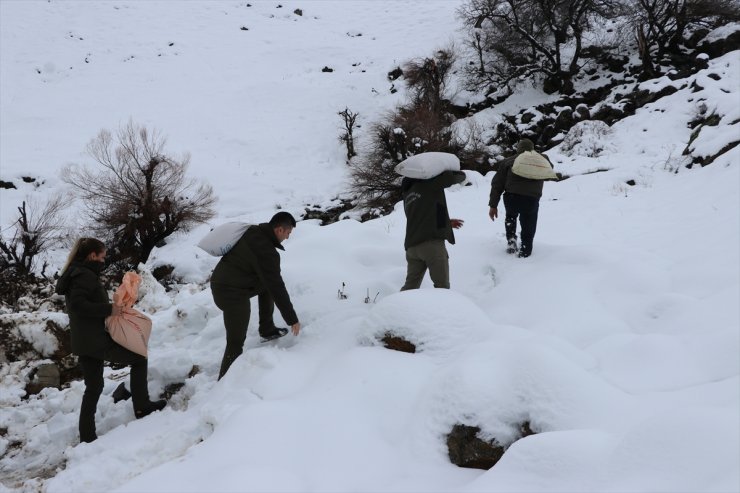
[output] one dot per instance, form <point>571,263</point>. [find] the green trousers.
<point>235,305</point>
<point>430,255</point>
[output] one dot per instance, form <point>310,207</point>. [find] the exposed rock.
<point>582,112</point>
<point>546,135</point>
<point>43,376</point>
<point>696,37</point>
<point>615,63</point>
<point>397,343</point>
<point>609,114</point>
<point>458,111</point>
<point>721,46</point>
<point>7,184</point>
<point>329,215</point>
<point>327,69</point>
<point>49,341</point>
<point>163,272</point>
<point>527,117</point>
<point>171,389</point>
<point>641,98</point>
<point>395,73</point>
<point>466,449</point>
<point>564,120</point>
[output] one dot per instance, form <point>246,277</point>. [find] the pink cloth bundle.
<point>131,329</point>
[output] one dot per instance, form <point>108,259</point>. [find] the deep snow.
<point>618,339</point>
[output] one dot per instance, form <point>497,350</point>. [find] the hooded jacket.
<point>425,206</point>
<point>87,306</point>
<point>252,265</point>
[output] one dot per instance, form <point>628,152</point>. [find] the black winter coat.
<point>253,264</point>
<point>87,306</point>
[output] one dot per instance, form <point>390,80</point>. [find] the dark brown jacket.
<point>87,306</point>
<point>425,205</point>
<point>506,181</point>
<point>253,264</point>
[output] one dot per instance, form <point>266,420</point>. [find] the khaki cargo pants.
<point>430,255</point>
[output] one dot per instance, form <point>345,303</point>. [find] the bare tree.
<point>662,25</point>
<point>348,119</point>
<point>141,195</point>
<point>515,39</point>
<point>38,227</point>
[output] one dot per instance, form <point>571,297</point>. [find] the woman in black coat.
<point>88,306</point>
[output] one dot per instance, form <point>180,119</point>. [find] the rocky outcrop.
<point>397,343</point>
<point>466,449</point>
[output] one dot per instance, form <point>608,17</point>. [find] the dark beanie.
<point>524,145</point>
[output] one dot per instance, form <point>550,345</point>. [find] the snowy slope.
<point>618,339</point>
<point>253,107</point>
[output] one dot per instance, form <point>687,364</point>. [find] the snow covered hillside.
<point>618,340</point>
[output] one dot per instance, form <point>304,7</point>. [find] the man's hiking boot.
<point>277,333</point>
<point>149,408</point>
<point>512,247</point>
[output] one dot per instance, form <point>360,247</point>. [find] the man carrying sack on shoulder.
<point>519,179</point>
<point>252,268</point>
<point>428,223</point>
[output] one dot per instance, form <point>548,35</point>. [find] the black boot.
<point>121,393</point>
<point>149,408</point>
<point>275,333</point>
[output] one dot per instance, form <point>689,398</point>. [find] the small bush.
<point>421,125</point>
<point>141,195</point>
<point>587,138</point>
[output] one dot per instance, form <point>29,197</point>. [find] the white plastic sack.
<point>532,165</point>
<point>222,238</point>
<point>428,165</point>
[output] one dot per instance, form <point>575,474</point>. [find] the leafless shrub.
<point>141,195</point>
<point>373,180</point>
<point>420,125</point>
<point>471,147</point>
<point>427,78</point>
<point>38,227</point>
<point>349,119</point>
<point>409,130</point>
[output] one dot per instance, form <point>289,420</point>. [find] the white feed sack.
<point>428,165</point>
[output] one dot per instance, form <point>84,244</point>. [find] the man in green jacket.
<point>252,268</point>
<point>521,200</point>
<point>428,225</point>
